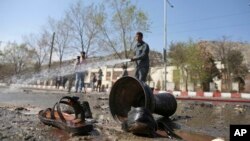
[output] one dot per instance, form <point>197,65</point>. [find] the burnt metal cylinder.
<point>165,104</point>
<point>130,92</point>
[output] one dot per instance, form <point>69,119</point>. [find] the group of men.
<point>141,59</point>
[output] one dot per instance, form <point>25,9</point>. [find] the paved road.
<point>30,97</point>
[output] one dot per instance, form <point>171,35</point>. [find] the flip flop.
<point>72,123</point>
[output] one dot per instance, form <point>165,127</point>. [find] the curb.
<point>210,96</point>
<point>43,87</point>
<point>214,99</point>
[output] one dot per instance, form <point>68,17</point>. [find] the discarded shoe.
<point>140,122</point>
<point>73,123</point>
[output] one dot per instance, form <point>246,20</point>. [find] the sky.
<point>188,19</point>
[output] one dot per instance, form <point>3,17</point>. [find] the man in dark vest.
<point>141,58</point>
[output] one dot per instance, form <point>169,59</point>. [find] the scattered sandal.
<point>73,123</point>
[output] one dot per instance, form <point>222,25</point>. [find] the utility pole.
<point>51,49</point>
<point>165,42</point>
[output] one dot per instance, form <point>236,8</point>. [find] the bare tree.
<point>84,25</point>
<point>119,31</point>
<point>40,44</point>
<point>17,55</point>
<point>62,37</point>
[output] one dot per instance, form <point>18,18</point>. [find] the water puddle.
<point>191,136</point>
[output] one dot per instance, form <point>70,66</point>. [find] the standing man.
<point>58,81</point>
<point>93,79</point>
<point>83,62</point>
<point>141,57</point>
<point>99,80</point>
<point>79,75</point>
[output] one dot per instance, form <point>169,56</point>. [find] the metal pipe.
<point>165,45</point>
<point>165,49</point>
<point>51,49</point>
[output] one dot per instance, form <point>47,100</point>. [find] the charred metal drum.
<point>130,92</point>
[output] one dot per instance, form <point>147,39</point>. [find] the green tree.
<point>203,66</point>
<point>178,57</point>
<point>230,55</point>
<point>236,66</point>
<point>237,69</point>
<point>195,63</point>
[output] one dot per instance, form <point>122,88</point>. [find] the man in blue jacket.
<point>141,58</point>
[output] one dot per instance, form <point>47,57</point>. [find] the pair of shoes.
<point>73,123</point>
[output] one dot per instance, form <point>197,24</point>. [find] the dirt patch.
<point>192,121</point>
<point>15,125</point>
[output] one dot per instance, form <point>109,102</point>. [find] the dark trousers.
<point>99,85</point>
<point>70,83</point>
<point>141,73</point>
<point>58,83</point>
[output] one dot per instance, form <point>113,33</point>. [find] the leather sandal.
<point>73,123</point>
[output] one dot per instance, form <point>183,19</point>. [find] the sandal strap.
<point>58,109</point>
<point>69,104</point>
<point>60,112</point>
<point>53,111</point>
<point>73,103</point>
<point>78,109</point>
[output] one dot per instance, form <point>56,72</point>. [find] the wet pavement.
<point>193,120</point>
